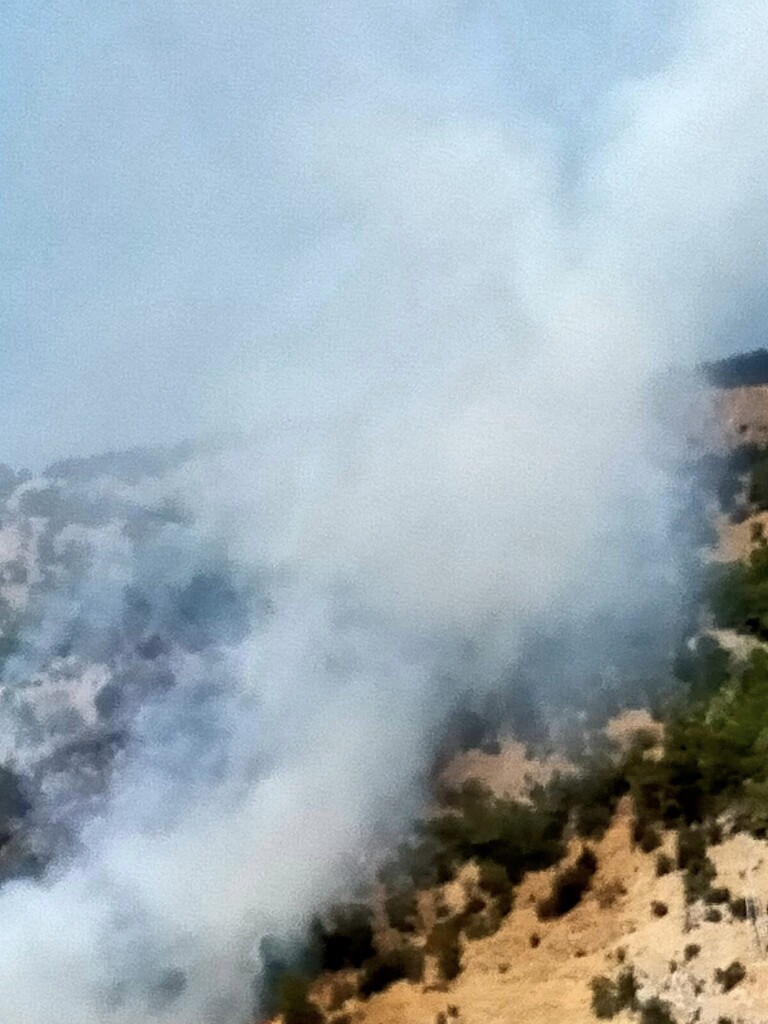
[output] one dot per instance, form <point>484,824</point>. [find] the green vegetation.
<point>568,887</point>
<point>729,978</point>
<point>519,837</point>
<point>444,943</point>
<point>293,1000</point>
<point>610,997</point>
<point>404,963</point>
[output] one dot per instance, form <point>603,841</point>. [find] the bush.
<point>731,976</point>
<point>659,909</point>
<point>604,999</point>
<point>718,896</point>
<point>692,950</point>
<point>520,837</point>
<point>664,865</point>
<point>444,943</point>
<point>611,997</point>
<point>738,908</point>
<point>293,1002</point>
<point>406,963</point>
<point>569,886</point>
<point>654,1011</point>
<point>346,940</point>
<point>402,909</point>
<point>650,839</point>
<point>494,880</point>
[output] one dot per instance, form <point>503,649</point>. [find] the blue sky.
<point>176,257</point>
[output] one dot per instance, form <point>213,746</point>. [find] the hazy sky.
<point>175,254</point>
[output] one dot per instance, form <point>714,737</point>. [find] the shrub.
<point>650,839</point>
<point>659,909</point>
<point>294,1003</point>
<point>691,847</point>
<point>691,951</point>
<point>731,976</point>
<point>569,886</point>
<point>444,943</point>
<point>402,909</point>
<point>718,895</point>
<point>664,864</point>
<point>611,997</point>
<point>626,989</point>
<point>604,999</point>
<point>654,1011</point>
<point>346,940</point>
<point>520,837</point>
<point>738,908</point>
<point>405,963</point>
<point>494,880</point>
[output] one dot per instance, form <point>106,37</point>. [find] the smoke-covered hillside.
<point>219,712</point>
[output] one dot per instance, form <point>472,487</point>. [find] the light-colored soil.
<point>510,773</point>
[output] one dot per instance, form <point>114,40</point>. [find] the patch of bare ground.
<point>510,773</point>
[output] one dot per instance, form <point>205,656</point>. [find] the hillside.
<point>666,924</point>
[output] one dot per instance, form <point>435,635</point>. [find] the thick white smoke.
<point>260,638</point>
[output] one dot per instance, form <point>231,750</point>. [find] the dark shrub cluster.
<point>404,963</point>
<point>731,976</point>
<point>568,887</point>
<point>610,997</point>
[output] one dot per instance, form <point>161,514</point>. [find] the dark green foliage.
<point>691,847</point>
<point>594,794</point>
<point>739,594</point>
<point>654,1011</point>
<point>520,837</point>
<point>718,895</point>
<point>611,997</point>
<point>664,864</point>
<point>494,880</point>
<point>604,1003</point>
<point>444,943</point>
<point>704,668</point>
<point>650,839</point>
<point>568,887</point>
<point>405,963</point>
<point>738,908</point>
<point>714,758</point>
<point>402,909</point>
<point>699,869</point>
<point>346,939</point>
<point>293,1000</point>
<point>731,976</point>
